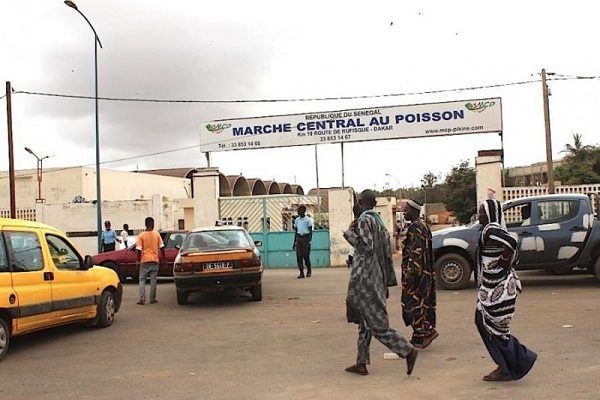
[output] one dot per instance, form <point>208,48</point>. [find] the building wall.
<point>58,186</point>
<point>62,185</point>
<point>488,175</point>
<point>80,218</point>
<point>340,217</point>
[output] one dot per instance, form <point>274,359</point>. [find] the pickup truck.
<point>555,232</point>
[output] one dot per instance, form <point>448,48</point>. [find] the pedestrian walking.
<point>418,279</point>
<point>499,287</point>
<point>303,226</point>
<point>371,274</point>
<point>149,245</point>
<point>108,238</point>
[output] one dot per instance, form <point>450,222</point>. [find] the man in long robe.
<point>418,279</point>
<point>371,274</point>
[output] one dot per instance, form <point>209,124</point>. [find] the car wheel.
<point>453,271</point>
<point>182,297</point>
<point>106,310</point>
<point>256,292</point>
<point>4,338</point>
<point>113,265</point>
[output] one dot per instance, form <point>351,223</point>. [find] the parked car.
<point>555,232</point>
<point>123,261</point>
<point>45,282</point>
<point>218,258</point>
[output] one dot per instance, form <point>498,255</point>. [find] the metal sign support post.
<point>342,147</point>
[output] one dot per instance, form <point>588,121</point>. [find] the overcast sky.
<point>232,50</point>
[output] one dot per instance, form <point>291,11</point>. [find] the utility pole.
<point>11,158</point>
<point>550,173</point>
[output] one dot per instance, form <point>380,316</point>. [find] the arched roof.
<point>257,187</point>
<point>272,187</point>
<point>297,189</point>
<point>285,188</point>
<point>224,186</point>
<point>239,185</point>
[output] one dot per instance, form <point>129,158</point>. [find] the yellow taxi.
<point>218,258</point>
<point>45,282</point>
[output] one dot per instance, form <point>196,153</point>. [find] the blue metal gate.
<point>269,219</point>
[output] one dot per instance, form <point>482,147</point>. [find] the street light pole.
<point>98,191</point>
<point>39,172</point>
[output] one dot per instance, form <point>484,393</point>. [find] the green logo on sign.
<point>217,128</point>
<point>480,106</point>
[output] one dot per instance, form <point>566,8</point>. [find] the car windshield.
<point>215,240</point>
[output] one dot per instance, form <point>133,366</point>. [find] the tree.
<point>461,192</point>
<point>581,164</point>
<point>428,180</point>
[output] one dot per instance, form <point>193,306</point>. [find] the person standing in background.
<point>303,225</point>
<point>125,235</point>
<point>108,238</point>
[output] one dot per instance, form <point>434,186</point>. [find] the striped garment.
<point>498,283</point>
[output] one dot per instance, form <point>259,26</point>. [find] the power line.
<point>157,153</point>
<point>149,100</point>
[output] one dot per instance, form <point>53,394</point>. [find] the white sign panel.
<point>394,122</point>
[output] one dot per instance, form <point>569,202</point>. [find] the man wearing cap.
<point>108,238</point>
<point>418,279</point>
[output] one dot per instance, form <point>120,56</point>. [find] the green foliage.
<point>581,164</point>
<point>461,192</point>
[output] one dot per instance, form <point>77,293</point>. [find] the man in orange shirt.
<point>148,245</point>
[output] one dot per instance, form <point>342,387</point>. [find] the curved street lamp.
<point>98,194</point>
<point>39,172</point>
<point>398,181</point>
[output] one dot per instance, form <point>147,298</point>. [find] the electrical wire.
<point>555,77</point>
<point>148,100</point>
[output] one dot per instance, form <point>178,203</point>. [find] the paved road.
<point>295,345</point>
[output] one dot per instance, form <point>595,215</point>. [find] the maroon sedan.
<point>124,261</point>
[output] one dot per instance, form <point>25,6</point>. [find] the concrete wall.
<point>206,197</point>
<point>385,208</point>
<point>81,217</point>
<point>488,167</point>
<point>340,217</point>
<point>62,185</point>
<point>58,186</point>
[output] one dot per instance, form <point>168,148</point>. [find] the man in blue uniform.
<point>108,238</point>
<point>303,225</point>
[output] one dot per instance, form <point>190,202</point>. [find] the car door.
<point>172,242</point>
<point>31,279</point>
<point>74,288</point>
<point>560,228</point>
<point>523,227</point>
<point>8,297</point>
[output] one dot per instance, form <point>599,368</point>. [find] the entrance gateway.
<point>269,219</point>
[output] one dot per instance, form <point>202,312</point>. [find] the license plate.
<point>218,265</point>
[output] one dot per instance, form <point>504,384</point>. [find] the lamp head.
<point>27,149</point>
<point>71,4</point>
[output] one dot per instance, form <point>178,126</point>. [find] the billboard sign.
<point>381,123</point>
